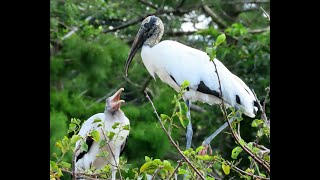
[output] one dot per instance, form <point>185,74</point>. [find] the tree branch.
<point>263,112</point>
<point>171,140</point>
<point>159,11</point>
<point>148,4</point>
<point>246,173</point>
<point>175,170</point>
<point>214,17</point>
<point>235,136</point>
<point>74,163</point>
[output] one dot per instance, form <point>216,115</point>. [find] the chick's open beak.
<point>115,100</point>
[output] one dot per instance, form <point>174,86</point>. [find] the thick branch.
<point>158,12</point>
<point>215,17</point>
<point>171,140</point>
<point>148,4</point>
<point>243,146</point>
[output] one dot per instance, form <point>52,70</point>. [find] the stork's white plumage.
<point>111,115</point>
<point>174,63</point>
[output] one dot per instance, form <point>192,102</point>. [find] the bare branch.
<point>215,17</point>
<point>246,173</point>
<point>263,112</point>
<point>171,140</point>
<point>158,12</point>
<point>235,136</point>
<point>116,164</point>
<point>255,31</point>
<point>148,4</point>
<point>244,2</point>
<point>265,13</point>
<point>74,162</point>
<point>175,170</point>
<point>156,172</point>
<point>75,29</point>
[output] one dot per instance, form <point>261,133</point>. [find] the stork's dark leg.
<point>208,140</point>
<point>189,127</point>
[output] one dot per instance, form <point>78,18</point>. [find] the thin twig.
<point>88,176</point>
<point>268,16</point>
<point>263,112</point>
<point>171,140</point>
<point>75,29</point>
<point>74,162</point>
<point>246,173</point>
<point>243,146</point>
<point>156,172</point>
<point>116,164</point>
<point>175,170</point>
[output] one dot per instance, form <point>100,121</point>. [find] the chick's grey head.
<point>113,102</point>
<point>149,34</point>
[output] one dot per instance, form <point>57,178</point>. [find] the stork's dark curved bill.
<point>136,45</point>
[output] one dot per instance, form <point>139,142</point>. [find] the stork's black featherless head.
<point>149,22</point>
<point>149,34</point>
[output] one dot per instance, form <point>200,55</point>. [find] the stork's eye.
<point>146,25</point>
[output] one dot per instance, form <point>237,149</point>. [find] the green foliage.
<point>88,65</point>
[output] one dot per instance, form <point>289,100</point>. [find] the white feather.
<point>185,63</point>
<point>90,157</point>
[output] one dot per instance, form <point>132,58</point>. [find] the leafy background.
<point>88,66</point>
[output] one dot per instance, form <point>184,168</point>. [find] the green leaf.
<point>262,175</point>
<point>96,120</point>
<point>65,165</point>
<point>147,159</point>
<point>210,178</point>
<point>110,135</point>
<point>249,170</point>
<point>226,168</point>
<point>220,39</point>
<point>182,171</point>
<point>206,157</point>
<point>115,125</point>
<point>211,51</point>
<point>58,144</point>
<point>167,166</point>
<point>256,122</point>
<point>75,138</point>
<point>72,127</point>
<point>241,141</point>
<point>102,143</point>
<point>183,120</point>
<point>185,84</point>
<point>147,166</point>
<point>126,127</point>
<point>95,135</point>
<point>54,167</point>
<point>164,117</point>
<point>158,161</point>
<point>103,154</point>
<point>235,152</point>
<point>126,167</point>
<point>84,146</point>
<point>199,148</point>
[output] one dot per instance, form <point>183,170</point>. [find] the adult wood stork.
<point>174,63</point>
<point>111,115</point>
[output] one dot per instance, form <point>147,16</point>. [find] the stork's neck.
<point>153,40</point>
<point>113,115</point>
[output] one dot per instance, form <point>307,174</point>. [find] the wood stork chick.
<point>111,115</point>
<point>174,63</point>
